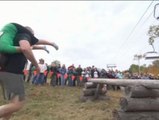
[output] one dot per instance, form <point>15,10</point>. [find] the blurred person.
<point>63,72</point>
<point>74,77</point>
<point>54,71</point>
<point>12,66</point>
<point>46,73</point>
<point>58,80</point>
<point>39,78</point>
<point>88,74</point>
<point>92,71</point>
<point>30,73</point>
<point>84,76</point>
<point>79,74</point>
<point>95,73</point>
<point>70,74</point>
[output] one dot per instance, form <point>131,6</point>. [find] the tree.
<point>56,62</point>
<point>156,63</point>
<point>138,57</point>
<point>133,68</point>
<point>153,33</point>
<point>154,68</point>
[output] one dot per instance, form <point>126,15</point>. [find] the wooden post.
<point>94,91</point>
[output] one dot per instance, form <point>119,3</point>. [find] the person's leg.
<point>78,80</point>
<point>69,81</point>
<point>37,47</point>
<point>39,80</point>
<point>13,90</point>
<point>57,81</point>
<point>34,79</point>
<point>62,80</point>
<point>7,110</point>
<point>66,81</point>
<point>29,76</point>
<point>36,82</point>
<point>53,80</point>
<point>45,78</point>
<point>42,79</point>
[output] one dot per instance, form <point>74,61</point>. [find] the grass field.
<point>57,103</point>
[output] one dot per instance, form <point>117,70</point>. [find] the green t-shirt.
<point>9,33</point>
<point>6,39</point>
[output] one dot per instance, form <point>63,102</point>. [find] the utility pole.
<point>138,58</point>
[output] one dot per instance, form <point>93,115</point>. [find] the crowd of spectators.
<point>60,75</point>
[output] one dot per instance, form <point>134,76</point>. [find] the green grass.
<point>63,103</point>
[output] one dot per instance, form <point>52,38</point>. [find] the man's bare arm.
<point>27,51</point>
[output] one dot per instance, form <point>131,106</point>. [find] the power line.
<point>143,24</point>
<point>138,22</point>
<point>135,26</point>
<point>150,15</point>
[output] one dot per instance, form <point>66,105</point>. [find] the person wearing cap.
<point>39,78</point>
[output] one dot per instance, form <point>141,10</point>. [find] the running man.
<point>11,73</point>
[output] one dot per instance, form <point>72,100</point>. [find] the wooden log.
<point>92,98</point>
<point>141,104</point>
<point>91,91</point>
<point>141,92</point>
<point>120,115</point>
<point>152,84</point>
<point>90,85</point>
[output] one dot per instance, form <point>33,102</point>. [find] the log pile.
<point>94,91</point>
<point>139,103</point>
<point>141,100</point>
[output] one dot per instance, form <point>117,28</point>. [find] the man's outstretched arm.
<point>27,51</point>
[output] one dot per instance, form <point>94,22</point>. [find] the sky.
<point>87,32</point>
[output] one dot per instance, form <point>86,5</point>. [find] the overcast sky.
<point>87,32</point>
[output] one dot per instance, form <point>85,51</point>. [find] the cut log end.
<point>120,115</point>
<point>141,92</point>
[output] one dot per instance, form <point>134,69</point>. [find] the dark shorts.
<point>12,85</point>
